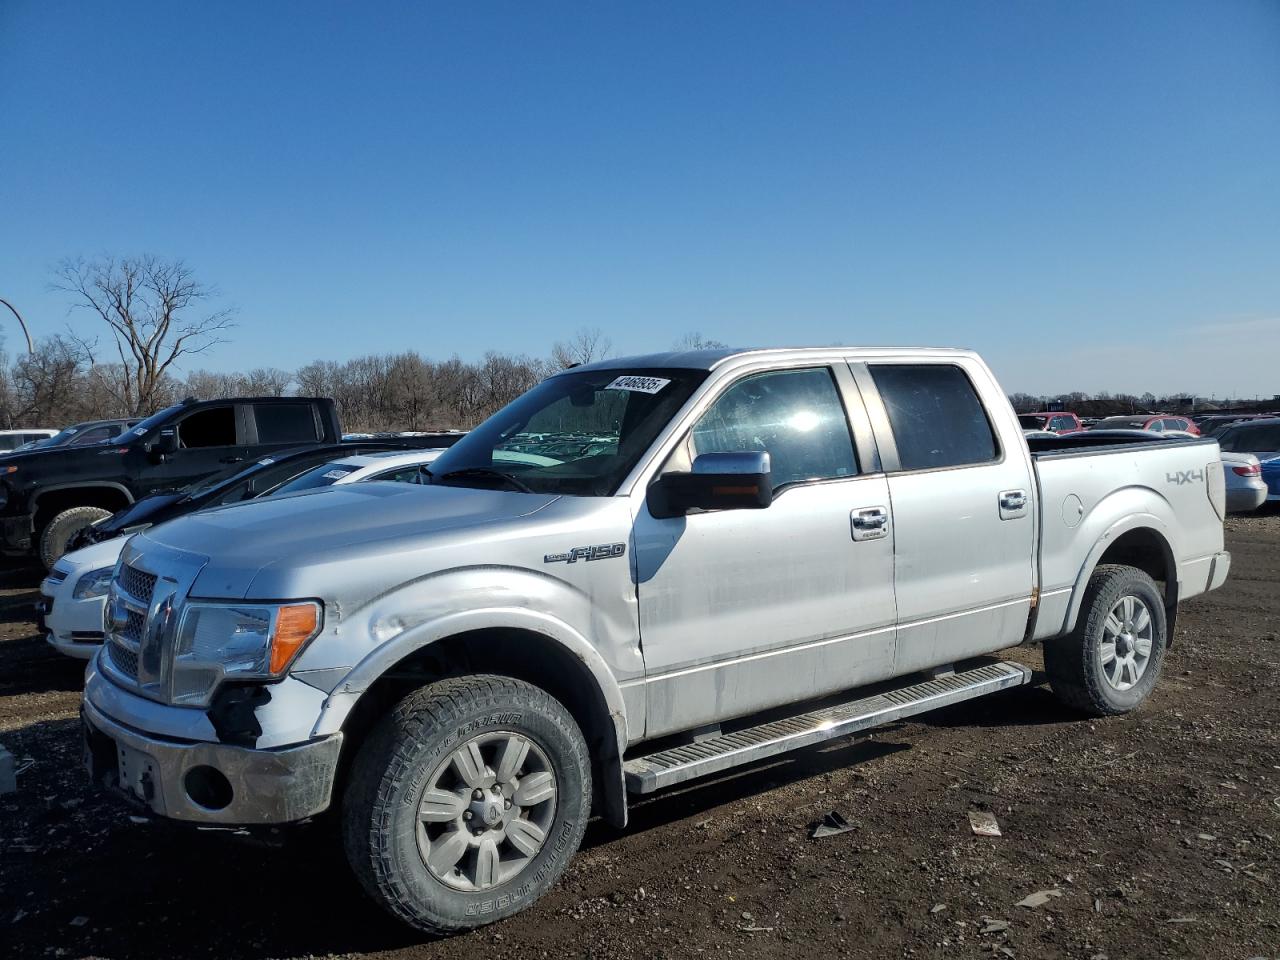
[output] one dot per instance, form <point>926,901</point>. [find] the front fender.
<point>383,657</point>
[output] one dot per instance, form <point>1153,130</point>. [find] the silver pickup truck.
<point>640,572</point>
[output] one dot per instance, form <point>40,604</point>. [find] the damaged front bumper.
<point>211,783</point>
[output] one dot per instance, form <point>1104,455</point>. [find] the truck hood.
<point>351,523</point>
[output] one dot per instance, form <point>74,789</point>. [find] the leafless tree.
<point>587,344</point>
<point>153,308</point>
<point>696,341</point>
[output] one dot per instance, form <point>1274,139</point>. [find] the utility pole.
<point>31,347</point>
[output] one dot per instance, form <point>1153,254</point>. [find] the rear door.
<point>962,509</point>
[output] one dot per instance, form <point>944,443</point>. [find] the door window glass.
<point>795,415</point>
<point>411,474</point>
<point>96,435</point>
<point>213,427</point>
<point>285,422</point>
<point>936,416</point>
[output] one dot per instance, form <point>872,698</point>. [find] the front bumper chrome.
<point>249,786</point>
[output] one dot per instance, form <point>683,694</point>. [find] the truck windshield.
<point>142,426</point>
<point>578,433</point>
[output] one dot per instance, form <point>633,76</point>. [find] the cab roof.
<point>711,359</point>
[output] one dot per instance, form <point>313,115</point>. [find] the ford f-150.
<point>642,571</point>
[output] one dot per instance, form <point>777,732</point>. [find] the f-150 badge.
<point>603,551</point>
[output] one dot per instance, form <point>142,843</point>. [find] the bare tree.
<point>47,385</point>
<point>696,341</point>
<point>152,307</point>
<point>587,344</point>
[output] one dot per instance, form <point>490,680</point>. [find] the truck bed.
<point>1092,490</point>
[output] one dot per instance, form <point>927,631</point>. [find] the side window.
<point>795,415</point>
<point>1156,426</point>
<point>213,427</point>
<point>411,474</point>
<point>1176,423</point>
<point>96,435</point>
<point>936,416</point>
<point>285,422</point>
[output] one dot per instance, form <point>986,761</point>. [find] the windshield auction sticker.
<point>638,384</point>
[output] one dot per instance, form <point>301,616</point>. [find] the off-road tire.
<point>1074,661</point>
<point>58,531</point>
<point>390,771</point>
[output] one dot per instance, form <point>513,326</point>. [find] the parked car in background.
<point>1246,486</point>
<point>13,439</point>
<point>84,434</point>
<point>74,593</point>
<point>47,495</point>
<point>1214,425</point>
<point>1151,422</point>
<point>233,484</point>
<point>1051,422</point>
<point>1262,439</point>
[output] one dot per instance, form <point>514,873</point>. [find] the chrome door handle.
<point>869,523</point>
<point>1013,504</point>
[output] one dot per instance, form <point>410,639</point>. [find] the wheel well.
<point>1147,550</point>
<point>55,501</point>
<point>521,654</point>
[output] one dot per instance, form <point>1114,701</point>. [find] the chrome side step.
<point>677,764</point>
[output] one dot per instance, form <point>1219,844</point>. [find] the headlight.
<point>95,583</point>
<point>237,641</point>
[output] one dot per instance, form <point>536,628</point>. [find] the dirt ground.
<point>1160,833</point>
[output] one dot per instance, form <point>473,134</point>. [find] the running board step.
<point>677,764</point>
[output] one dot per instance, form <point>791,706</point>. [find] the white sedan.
<point>75,591</point>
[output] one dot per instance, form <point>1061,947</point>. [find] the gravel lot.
<point>1160,833</point>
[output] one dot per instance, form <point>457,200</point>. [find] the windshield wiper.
<point>483,472</point>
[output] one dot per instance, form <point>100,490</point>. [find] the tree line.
<point>153,317</point>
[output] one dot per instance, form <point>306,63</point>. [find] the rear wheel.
<point>59,531</point>
<point>1110,662</point>
<point>466,802</point>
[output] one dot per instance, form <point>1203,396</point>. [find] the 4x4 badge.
<point>604,551</point>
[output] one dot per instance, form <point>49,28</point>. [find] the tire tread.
<point>386,759</point>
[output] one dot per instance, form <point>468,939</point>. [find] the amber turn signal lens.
<point>296,623</point>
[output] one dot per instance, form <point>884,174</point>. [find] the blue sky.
<point>1086,192</point>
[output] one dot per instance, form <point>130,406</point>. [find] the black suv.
<point>47,495</point>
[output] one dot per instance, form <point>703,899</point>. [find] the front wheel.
<point>466,802</point>
<point>1110,662</point>
<point>58,532</point>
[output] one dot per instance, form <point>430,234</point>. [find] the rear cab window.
<point>935,414</point>
<point>286,422</point>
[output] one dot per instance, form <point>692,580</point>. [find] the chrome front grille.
<point>138,584</point>
<point>140,614</point>
<point>133,628</point>
<point>131,596</point>
<point>126,661</point>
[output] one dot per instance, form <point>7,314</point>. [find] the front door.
<point>210,439</point>
<point>741,610</point>
<point>963,520</point>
